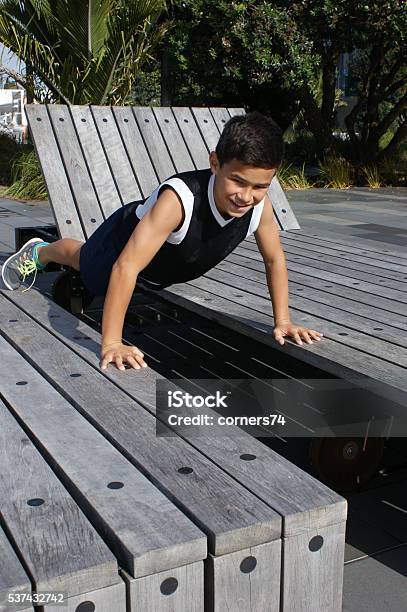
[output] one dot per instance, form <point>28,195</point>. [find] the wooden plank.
<point>136,150</point>
<point>102,600</point>
<point>305,551</point>
<point>365,242</point>
<point>116,154</point>
<point>306,504</point>
<point>339,249</point>
<point>233,112</point>
<point>245,588</point>
<point>83,191</point>
<point>202,496</point>
<point>192,137</point>
<point>393,271</point>
<point>146,532</point>
<point>155,144</point>
<point>173,139</point>
<point>99,169</point>
<point>334,321</point>
<point>207,127</point>
<point>13,577</point>
<point>329,291</point>
<point>180,589</point>
<point>355,278</point>
<point>220,116</point>
<point>61,550</point>
<point>340,360</point>
<point>59,190</point>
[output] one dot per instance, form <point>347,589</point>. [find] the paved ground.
<point>376,549</point>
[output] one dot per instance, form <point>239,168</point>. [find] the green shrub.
<point>372,175</point>
<point>293,178</point>
<point>8,151</point>
<point>27,180</point>
<point>336,171</point>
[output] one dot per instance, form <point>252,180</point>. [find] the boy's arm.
<point>147,238</point>
<point>268,242</point>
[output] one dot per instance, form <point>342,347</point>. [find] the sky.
<point>7,59</point>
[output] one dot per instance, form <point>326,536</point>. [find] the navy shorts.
<point>97,257</point>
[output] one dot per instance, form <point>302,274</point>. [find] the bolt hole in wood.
<point>166,120</point>
<point>86,606</point>
<point>378,328</point>
<point>68,222</point>
<point>12,320</point>
<point>147,120</point>
<point>205,121</point>
<point>169,586</point>
<point>247,457</point>
<point>115,484</point>
<point>342,334</point>
<point>61,119</point>
<point>39,119</point>
<point>20,383</point>
<point>75,375</point>
<point>185,470</point>
<point>248,565</point>
<point>83,120</point>
<point>93,220</point>
<point>104,119</point>
<point>125,120</point>
<point>35,501</point>
<point>316,543</point>
<point>283,210</point>
<point>185,120</point>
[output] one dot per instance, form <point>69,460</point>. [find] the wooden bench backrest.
<point>95,158</point>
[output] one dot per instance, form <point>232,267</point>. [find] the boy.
<point>187,226</point>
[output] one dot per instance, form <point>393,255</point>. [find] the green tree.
<point>283,56</point>
<point>81,51</point>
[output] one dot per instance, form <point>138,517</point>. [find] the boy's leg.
<point>65,252</point>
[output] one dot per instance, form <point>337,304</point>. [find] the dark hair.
<point>253,139</point>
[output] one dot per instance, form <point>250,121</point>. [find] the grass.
<point>27,181</point>
<point>336,171</point>
<point>372,175</point>
<point>293,178</point>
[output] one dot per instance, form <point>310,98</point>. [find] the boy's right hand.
<point>120,354</point>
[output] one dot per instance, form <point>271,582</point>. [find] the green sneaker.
<point>23,264</point>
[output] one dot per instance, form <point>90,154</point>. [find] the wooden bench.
<point>274,534</point>
<point>96,158</point>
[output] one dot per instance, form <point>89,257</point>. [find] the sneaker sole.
<point>32,241</point>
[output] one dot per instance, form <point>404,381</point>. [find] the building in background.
<point>12,99</point>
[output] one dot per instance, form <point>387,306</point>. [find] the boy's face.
<point>239,187</point>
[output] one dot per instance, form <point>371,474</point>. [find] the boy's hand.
<point>296,332</point>
<point>120,353</point>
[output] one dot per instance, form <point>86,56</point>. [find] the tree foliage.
<point>283,56</point>
<point>82,50</point>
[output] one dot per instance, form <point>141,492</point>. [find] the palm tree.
<point>81,51</point>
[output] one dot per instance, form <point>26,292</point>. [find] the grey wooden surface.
<point>13,577</point>
<point>130,516</point>
<point>61,550</point>
<point>306,505</point>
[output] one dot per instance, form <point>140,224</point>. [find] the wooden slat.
<point>220,116</point>
<point>116,154</point>
<point>340,249</point>
<point>86,200</point>
<point>207,127</point>
<point>102,600</point>
<point>341,360</point>
<point>59,190</point>
<point>173,138</point>
<point>61,550</point>
<point>146,532</point>
<point>316,289</point>
<point>362,280</point>
<point>136,150</point>
<point>94,153</point>
<point>192,136</point>
<point>334,323</point>
<point>254,567</point>
<point>13,577</point>
<point>153,139</point>
<point>188,593</point>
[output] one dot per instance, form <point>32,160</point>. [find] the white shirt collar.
<point>222,222</point>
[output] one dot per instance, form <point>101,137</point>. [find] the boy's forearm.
<point>120,290</point>
<point>277,281</point>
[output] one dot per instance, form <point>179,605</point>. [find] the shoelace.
<point>25,268</point>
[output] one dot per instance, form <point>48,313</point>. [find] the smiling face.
<point>238,187</point>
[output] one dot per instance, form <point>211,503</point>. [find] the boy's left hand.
<point>296,332</point>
